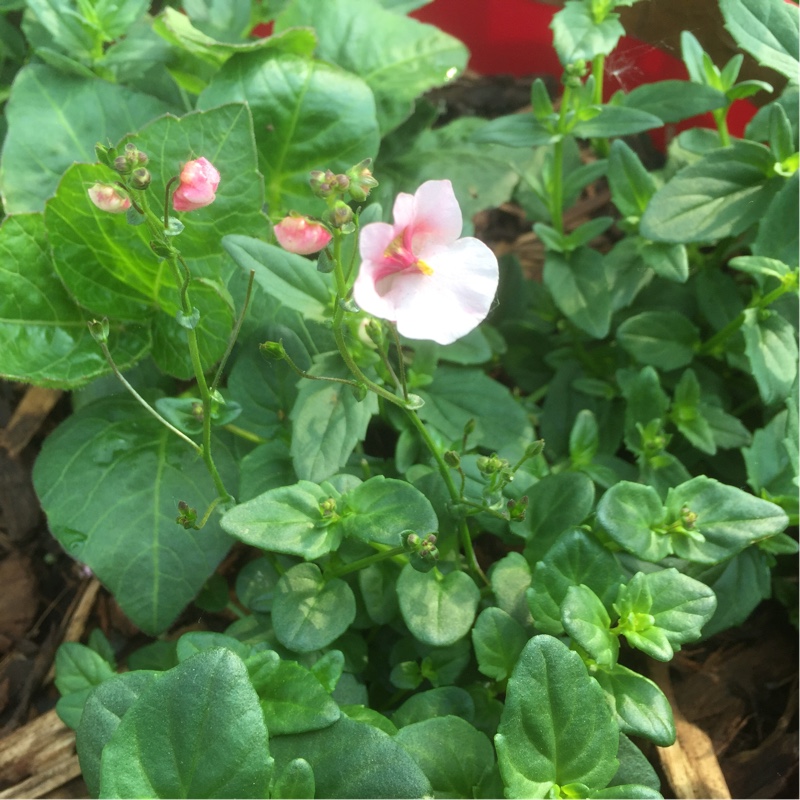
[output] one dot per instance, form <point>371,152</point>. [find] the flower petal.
<point>437,216</point>
<point>373,241</point>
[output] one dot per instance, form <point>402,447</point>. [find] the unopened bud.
<point>99,330</point>
<point>322,183</point>
<point>491,465</point>
<point>108,198</point>
<point>452,459</point>
<point>361,180</point>
<point>328,507</point>
<point>140,178</point>
<point>187,517</point>
<point>274,350</point>
<point>301,235</point>
<point>359,391</point>
<point>341,215</point>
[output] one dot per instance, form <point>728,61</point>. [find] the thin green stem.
<point>713,344</point>
<point>354,566</point>
<point>598,71</point>
<point>557,193</point>
<point>455,495</point>
<point>721,118</point>
<point>245,434</point>
<point>400,361</point>
<point>143,402</point>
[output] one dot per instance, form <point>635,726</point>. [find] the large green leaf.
<point>178,30</point>
<point>380,509</point>
<point>354,36</point>
<point>307,115</point>
<point>578,34</point>
<point>457,396</point>
<point>353,759</point>
<point>673,101</point>
<point>557,728</point>
<point>55,119</point>
<point>289,278</point>
<point>665,339</point>
<point>771,349</point>
<point>714,197</point>
<point>483,175</point>
<point>767,30</point>
<point>219,749</point>
<point>438,609</point>
<point>109,480</point>
<point>451,752</point>
<point>44,338</point>
<point>777,231</point>
<point>580,289</point>
<point>309,612</point>
<point>104,709</point>
<point>328,421</point>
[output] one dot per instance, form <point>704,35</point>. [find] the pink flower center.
<point>399,257</point>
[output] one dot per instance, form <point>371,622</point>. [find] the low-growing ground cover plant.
<point>263,288</point>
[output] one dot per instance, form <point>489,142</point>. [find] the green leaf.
<point>220,748</point>
<point>777,235</point>
<point>354,37</point>
<point>712,198</point>
<point>576,558</point>
<point>438,609</point>
<point>766,30</point>
<point>328,421</point>
<point>289,278</point>
<point>44,339</point>
<point>771,348</point>
<point>104,709</point>
<point>178,29</point>
<point>556,728</point>
<point>669,261</point>
<point>129,472</point>
<point>615,121</point>
<point>296,780</point>
<point>291,696</point>
<point>628,512</point>
<point>286,520</point>
<point>664,339</point>
<point>353,759</point>
<point>678,606</point>
<point>55,119</point>
<point>452,754</point>
<point>440,702</point>
<point>631,184</point>
<point>673,101</point>
<point>498,640</point>
<point>767,461</point>
<point>586,620</point>
<point>309,612</point>
<point>634,768</point>
<point>577,34</point>
<point>580,289</point>
<point>457,396</point>
<point>510,577</point>
<point>555,503</point>
<point>483,176</point>
<point>740,584</point>
<point>377,584</point>
<point>307,115</point>
<point>728,519</point>
<point>640,706</point>
<point>194,642</point>
<point>516,130</point>
<point>380,509</point>
<point>78,670</point>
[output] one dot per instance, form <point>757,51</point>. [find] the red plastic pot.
<point>514,37</point>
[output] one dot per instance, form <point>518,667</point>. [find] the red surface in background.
<point>514,37</point>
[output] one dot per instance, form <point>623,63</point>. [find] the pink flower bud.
<point>198,186</point>
<point>109,198</point>
<point>301,235</point>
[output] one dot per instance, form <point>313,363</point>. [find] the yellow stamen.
<point>424,268</point>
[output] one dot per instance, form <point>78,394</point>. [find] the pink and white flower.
<point>109,198</point>
<point>419,274</point>
<point>301,235</point>
<point>198,186</point>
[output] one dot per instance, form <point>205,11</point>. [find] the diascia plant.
<point>263,288</point>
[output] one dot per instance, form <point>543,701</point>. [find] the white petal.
<point>437,215</point>
<point>374,239</point>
